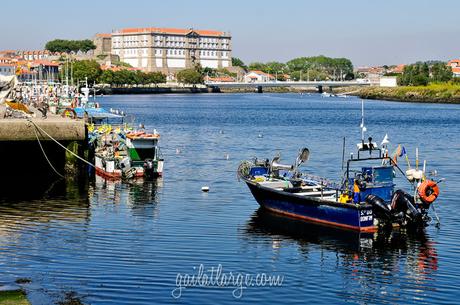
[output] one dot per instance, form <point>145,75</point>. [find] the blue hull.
<point>347,216</point>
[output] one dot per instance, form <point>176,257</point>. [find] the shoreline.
<point>435,94</point>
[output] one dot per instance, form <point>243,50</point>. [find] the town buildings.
<point>167,49</point>
<point>258,77</point>
<point>455,66</point>
<point>7,69</point>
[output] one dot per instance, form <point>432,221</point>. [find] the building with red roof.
<point>454,64</point>
<point>168,49</point>
<point>258,76</point>
<point>7,69</point>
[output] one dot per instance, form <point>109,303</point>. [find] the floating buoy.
<point>221,131</point>
<point>260,135</point>
<point>177,151</point>
<point>205,189</point>
<point>227,156</point>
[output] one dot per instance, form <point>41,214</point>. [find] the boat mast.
<point>363,128</point>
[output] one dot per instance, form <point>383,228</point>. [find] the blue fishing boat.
<point>365,199</point>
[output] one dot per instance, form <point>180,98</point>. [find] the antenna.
<point>363,128</point>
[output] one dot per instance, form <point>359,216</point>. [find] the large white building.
<point>169,49</point>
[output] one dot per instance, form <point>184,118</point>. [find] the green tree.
<point>236,62</point>
<point>273,67</point>
<point>322,67</point>
<point>67,46</point>
<point>189,76</point>
<point>106,77</point>
<point>156,78</point>
<point>257,66</point>
<point>86,68</point>
<point>86,45</point>
<point>440,72</point>
<point>417,74</point>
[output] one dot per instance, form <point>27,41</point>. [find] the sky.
<point>369,32</point>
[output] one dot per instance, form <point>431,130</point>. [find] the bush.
<point>189,76</point>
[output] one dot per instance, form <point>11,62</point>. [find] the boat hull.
<point>346,216</point>
<point>106,168</point>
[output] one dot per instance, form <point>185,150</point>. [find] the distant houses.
<point>258,77</point>
<point>7,69</point>
<point>455,66</point>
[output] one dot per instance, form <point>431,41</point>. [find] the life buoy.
<point>428,191</point>
<point>69,113</point>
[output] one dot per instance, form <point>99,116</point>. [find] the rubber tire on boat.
<point>67,111</point>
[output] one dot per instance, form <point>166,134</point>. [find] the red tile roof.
<point>262,73</point>
<point>454,62</point>
<point>105,35</point>
<point>45,63</point>
<point>170,31</point>
<point>399,68</point>
<point>456,70</point>
<point>222,79</point>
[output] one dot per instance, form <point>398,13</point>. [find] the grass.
<point>17,297</point>
<point>434,92</point>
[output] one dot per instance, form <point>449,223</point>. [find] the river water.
<point>114,243</point>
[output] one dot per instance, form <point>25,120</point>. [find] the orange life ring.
<point>428,191</point>
<point>69,113</point>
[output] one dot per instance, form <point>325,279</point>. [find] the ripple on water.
<point>125,244</point>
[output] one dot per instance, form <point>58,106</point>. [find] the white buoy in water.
<point>205,189</point>
<point>227,156</point>
<point>177,151</point>
<point>221,131</point>
<point>260,135</point>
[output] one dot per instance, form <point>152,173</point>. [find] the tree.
<point>257,66</point>
<point>86,68</point>
<point>67,46</point>
<point>86,45</point>
<point>322,67</point>
<point>106,77</point>
<point>236,62</point>
<point>156,78</point>
<point>415,75</point>
<point>440,72</point>
<point>189,76</point>
<point>275,67</point>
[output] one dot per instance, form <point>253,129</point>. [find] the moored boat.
<point>121,153</point>
<point>364,200</point>
<point>145,153</point>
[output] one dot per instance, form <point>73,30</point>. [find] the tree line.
<point>91,70</point>
<point>422,73</point>
<point>303,68</point>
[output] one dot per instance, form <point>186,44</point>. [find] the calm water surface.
<point>116,243</point>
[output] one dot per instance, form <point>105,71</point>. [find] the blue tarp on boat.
<point>95,113</point>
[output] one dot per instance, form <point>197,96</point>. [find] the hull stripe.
<point>369,229</point>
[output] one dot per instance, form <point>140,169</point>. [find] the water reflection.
<point>363,253</point>
<point>44,201</point>
<point>140,195</point>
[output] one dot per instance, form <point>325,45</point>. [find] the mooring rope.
<point>57,142</point>
<point>46,157</point>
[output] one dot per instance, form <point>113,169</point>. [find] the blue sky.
<point>369,32</point>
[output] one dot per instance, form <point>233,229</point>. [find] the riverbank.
<point>199,89</point>
<point>15,297</point>
<point>433,93</point>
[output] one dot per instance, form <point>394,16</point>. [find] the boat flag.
<point>403,151</point>
<point>396,153</point>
